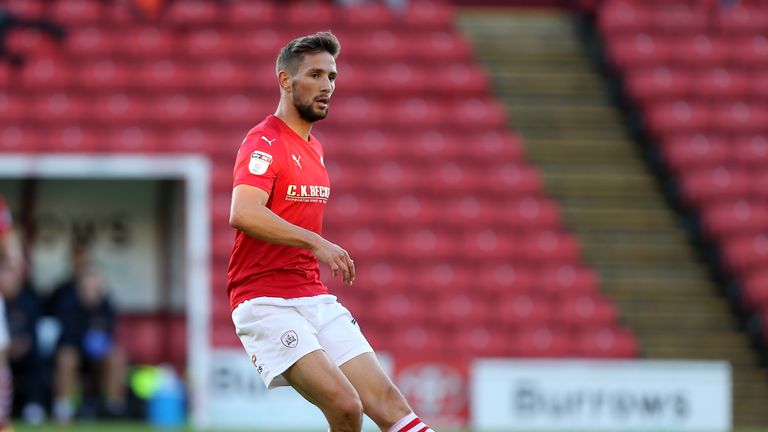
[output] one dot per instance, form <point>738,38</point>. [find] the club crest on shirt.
<point>290,339</point>
<point>260,162</point>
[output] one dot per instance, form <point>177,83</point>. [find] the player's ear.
<point>284,80</point>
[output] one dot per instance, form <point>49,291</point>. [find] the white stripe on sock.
<point>402,422</point>
<point>416,428</point>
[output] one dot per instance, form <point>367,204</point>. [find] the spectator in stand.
<point>87,350</point>
<point>23,314</point>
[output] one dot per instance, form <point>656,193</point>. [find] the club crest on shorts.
<point>259,163</point>
<point>290,339</point>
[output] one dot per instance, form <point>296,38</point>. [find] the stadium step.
<point>561,107</point>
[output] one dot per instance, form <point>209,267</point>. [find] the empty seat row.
<point>675,17</point>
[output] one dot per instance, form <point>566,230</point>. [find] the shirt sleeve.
<point>258,163</point>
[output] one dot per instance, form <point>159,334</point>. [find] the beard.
<point>307,110</point>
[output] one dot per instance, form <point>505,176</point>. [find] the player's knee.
<point>348,408</point>
<point>390,407</point>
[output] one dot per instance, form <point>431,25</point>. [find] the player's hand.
<point>337,259</point>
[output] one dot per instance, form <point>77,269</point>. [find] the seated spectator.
<point>87,355</point>
<point>23,312</point>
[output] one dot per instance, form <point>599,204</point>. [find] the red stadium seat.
<point>658,83</point>
<point>28,9</point>
<point>722,220</point>
<point>699,186</point>
<point>542,342</point>
<point>428,14</point>
<point>372,244</point>
<point>46,74</point>
<point>760,184</point>
<point>29,41</point>
<point>177,108</point>
<point>512,179</point>
<point>751,51</point>
<point>481,341</point>
<point>193,13</point>
<point>493,146</point>
<point>392,177</point>
<point>16,139</point>
<point>260,44</point>
<point>73,139</point>
<point>417,113</point>
<point>221,76</point>
<point>104,74</point>
<point>132,139</point>
<point>119,109</point>
<point>421,243</point>
<point>751,151</point>
<point>745,253</point>
<point>406,210</point>
<point>639,50</point>
<point>442,47</point>
<point>7,75</point>
<point>722,83</point>
<point>530,213</point>
<point>249,14</point>
<point>398,308</point>
<point>479,114</point>
<point>461,309</point>
<point>147,42</point>
<point>755,290</point>
<point>460,79</point>
<point>418,340</point>
<point>585,311</point>
<point>567,280</point>
<point>515,311</point>
<point>441,278</point>
<point>378,45</point>
<point>163,74</point>
<point>60,108</point>
<point>302,14</point>
<point>191,139</point>
<point>741,117</point>
<point>469,211</point>
<point>504,279</point>
<point>697,151</point>
<point>76,13</point>
<point>621,17</point>
<point>487,245</point>
<point>679,117</point>
<point>12,107</point>
<point>356,112</point>
<point>742,19</point>
<point>92,42</point>
<point>397,79</point>
<point>208,42</point>
<point>701,50</point>
<point>550,248</point>
<point>680,18</point>
<point>365,16</point>
<point>606,343</point>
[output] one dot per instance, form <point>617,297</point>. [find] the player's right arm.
<point>250,215</point>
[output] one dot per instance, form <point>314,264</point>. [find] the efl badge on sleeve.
<point>259,163</point>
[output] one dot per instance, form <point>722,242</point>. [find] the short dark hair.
<point>292,54</point>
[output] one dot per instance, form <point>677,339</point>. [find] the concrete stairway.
<point>560,105</point>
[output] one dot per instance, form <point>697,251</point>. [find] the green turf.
<point>143,427</point>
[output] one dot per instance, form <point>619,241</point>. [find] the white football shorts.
<point>277,332</point>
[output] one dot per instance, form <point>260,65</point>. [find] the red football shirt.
<point>276,159</point>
